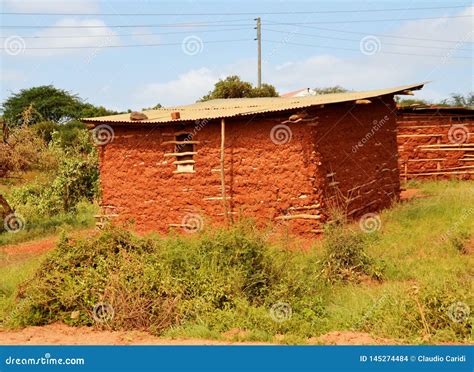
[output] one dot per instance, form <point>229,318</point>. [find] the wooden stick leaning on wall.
<point>224,200</point>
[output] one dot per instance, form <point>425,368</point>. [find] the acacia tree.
<point>234,87</point>
<point>47,103</point>
<point>458,99</point>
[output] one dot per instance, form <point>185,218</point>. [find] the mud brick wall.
<point>277,171</point>
<point>358,152</point>
<point>263,180</point>
<point>437,144</point>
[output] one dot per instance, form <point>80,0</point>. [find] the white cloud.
<point>63,37</point>
<point>53,6</point>
<point>187,88</point>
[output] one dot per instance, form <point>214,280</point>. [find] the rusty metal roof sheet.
<point>225,108</point>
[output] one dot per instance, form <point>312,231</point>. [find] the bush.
<point>24,151</point>
<point>439,312</point>
<point>222,279</point>
<point>74,179</point>
<point>345,257</point>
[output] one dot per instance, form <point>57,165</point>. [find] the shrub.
<point>224,279</point>
<point>345,258</point>
<point>439,311</point>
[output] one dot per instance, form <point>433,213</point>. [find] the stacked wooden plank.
<point>436,142</point>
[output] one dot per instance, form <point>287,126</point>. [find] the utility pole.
<point>259,40</point>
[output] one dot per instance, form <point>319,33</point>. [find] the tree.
<point>88,110</point>
<point>156,107</point>
<point>460,100</point>
<point>329,90</point>
<point>405,102</point>
<point>47,103</point>
<point>234,87</point>
<point>44,103</point>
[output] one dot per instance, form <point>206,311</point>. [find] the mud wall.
<point>358,152</point>
<point>264,180</point>
<point>436,144</point>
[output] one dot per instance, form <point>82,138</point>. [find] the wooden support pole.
<point>224,201</point>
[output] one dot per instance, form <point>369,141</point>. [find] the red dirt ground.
<point>38,246</point>
<point>411,194</point>
<point>60,334</point>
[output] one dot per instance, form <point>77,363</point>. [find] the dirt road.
<point>60,334</point>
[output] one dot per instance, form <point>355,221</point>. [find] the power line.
<point>358,40</point>
<point>120,35</point>
<point>130,45</point>
<point>369,20</point>
<point>209,23</point>
<point>238,13</point>
<point>381,35</point>
<point>358,50</point>
<point>182,24</point>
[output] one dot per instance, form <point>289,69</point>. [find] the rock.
<point>138,116</point>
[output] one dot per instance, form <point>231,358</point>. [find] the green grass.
<point>398,283</point>
<point>42,227</point>
<point>14,271</point>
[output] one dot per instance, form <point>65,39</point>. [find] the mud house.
<point>276,160</point>
<point>436,142</point>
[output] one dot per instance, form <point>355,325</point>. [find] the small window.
<point>184,153</point>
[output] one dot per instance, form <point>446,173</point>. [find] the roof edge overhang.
<point>237,107</point>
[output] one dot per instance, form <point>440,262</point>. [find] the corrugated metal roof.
<point>224,108</point>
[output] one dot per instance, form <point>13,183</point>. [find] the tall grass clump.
<point>345,257</point>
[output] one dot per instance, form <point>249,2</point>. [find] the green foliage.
<point>156,107</point>
<point>410,102</point>
<point>90,111</point>
<point>66,134</point>
<point>74,179</point>
<point>434,310</point>
<point>234,87</point>
<point>222,279</point>
<point>345,258</point>
<point>458,99</point>
<point>47,103</point>
<point>329,90</point>
<point>24,151</point>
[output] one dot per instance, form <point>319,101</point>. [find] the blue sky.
<point>386,48</point>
